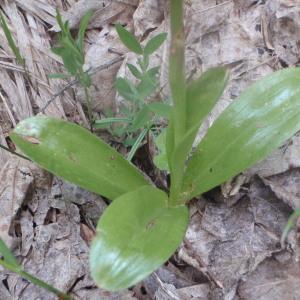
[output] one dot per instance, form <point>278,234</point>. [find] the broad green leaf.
<point>7,255</point>
<point>73,153</point>
<point>134,71</point>
<point>129,40</point>
<point>135,235</point>
<point>203,93</point>
<point>201,96</point>
<point>256,123</point>
<point>161,109</point>
<point>160,160</point>
<point>82,28</point>
<point>155,43</point>
<point>126,89</point>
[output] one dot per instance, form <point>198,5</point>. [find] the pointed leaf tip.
<point>73,153</point>
<point>259,121</point>
<point>129,40</point>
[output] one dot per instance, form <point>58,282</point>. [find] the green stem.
<point>34,280</point>
<point>13,152</point>
<point>177,69</point>
<point>178,91</point>
<point>89,107</point>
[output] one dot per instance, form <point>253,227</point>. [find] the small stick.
<point>13,152</point>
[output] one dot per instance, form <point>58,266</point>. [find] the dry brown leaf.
<point>4,156</point>
<point>16,182</point>
<point>225,243</point>
<point>275,279</point>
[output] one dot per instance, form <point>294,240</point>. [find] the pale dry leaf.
<point>286,187</point>
<point>41,9</point>
<point>54,221</point>
<point>4,156</point>
<point>148,16</point>
<point>275,279</point>
<point>77,11</point>
<point>225,243</point>
<point>102,89</point>
<point>16,181</point>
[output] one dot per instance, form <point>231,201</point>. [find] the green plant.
<point>290,223</point>
<point>9,262</point>
<point>20,60</point>
<point>139,117</point>
<point>71,52</point>
<point>11,42</point>
<point>143,226</point>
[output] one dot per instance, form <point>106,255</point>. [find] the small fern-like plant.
<point>138,116</point>
<point>72,54</point>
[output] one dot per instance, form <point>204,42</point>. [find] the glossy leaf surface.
<point>255,124</point>
<point>201,96</point>
<point>135,235</point>
<point>73,153</point>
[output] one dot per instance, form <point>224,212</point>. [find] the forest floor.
<point>232,247</point>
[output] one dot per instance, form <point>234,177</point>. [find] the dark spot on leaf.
<point>150,224</point>
<point>32,140</point>
<point>73,158</point>
<point>210,170</point>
